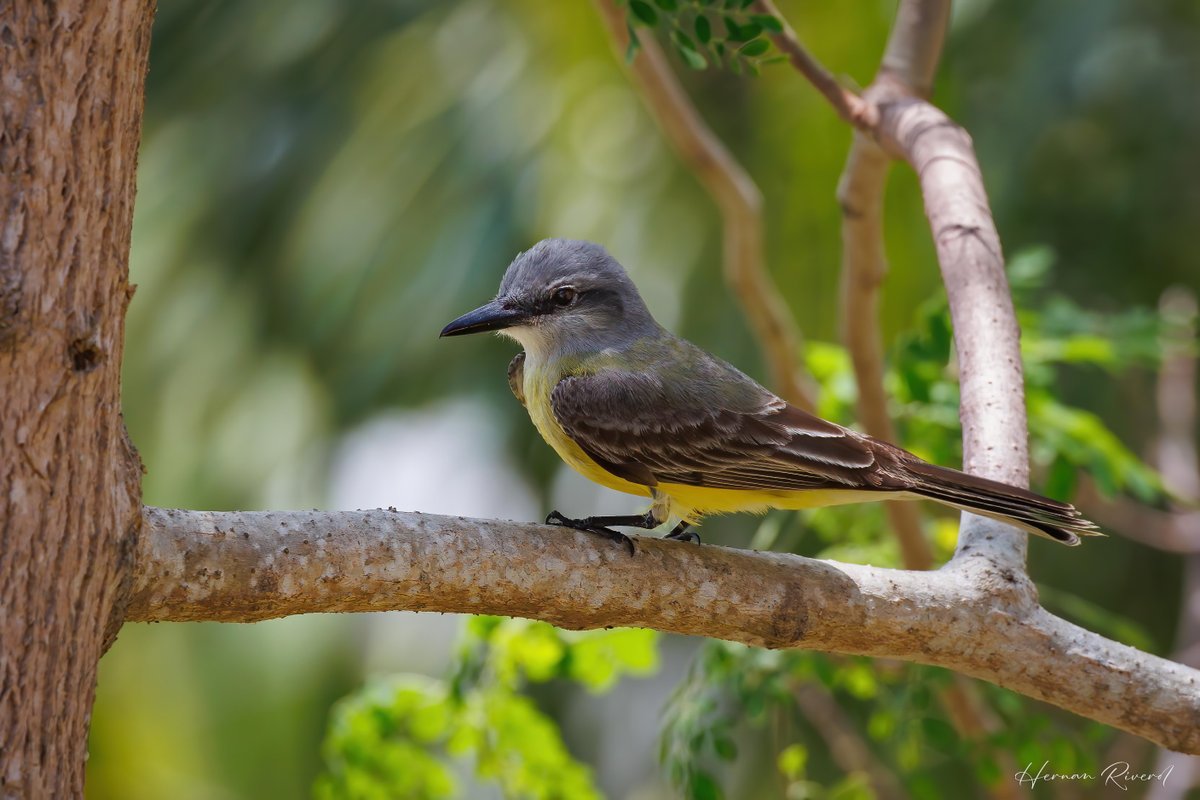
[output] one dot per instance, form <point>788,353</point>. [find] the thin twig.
<point>848,105</point>
<point>738,199</point>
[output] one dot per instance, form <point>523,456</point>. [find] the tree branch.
<point>969,617</point>
<point>848,105</point>
<point>986,335</point>
<point>737,197</point>
<point>909,62</point>
<point>860,194</point>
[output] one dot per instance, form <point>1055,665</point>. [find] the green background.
<point>323,185</point>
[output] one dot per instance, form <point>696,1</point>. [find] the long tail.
<point>1061,522</point>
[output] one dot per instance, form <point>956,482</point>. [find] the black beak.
<point>491,317</point>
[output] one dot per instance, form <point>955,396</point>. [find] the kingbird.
<point>635,408</point>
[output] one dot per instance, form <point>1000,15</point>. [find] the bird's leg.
<point>600,525</point>
<point>645,521</point>
<point>682,534</point>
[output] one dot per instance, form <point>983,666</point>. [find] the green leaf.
<point>598,658</point>
<point>940,735</point>
<point>644,12</point>
<point>792,760</point>
<point>858,678</point>
<point>755,48</point>
<point>703,787</point>
<point>631,50</point>
<point>987,770</point>
<point>1060,479</point>
<point>768,22</point>
<point>667,5</point>
<point>742,33</point>
<point>703,29</point>
<point>683,40</point>
<point>687,50</point>
<point>725,748</point>
<point>1030,267</point>
<point>853,787</point>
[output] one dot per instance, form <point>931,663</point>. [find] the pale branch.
<point>970,616</point>
<point>986,335</point>
<point>914,46</point>
<point>860,194</point>
<point>736,196</point>
<point>909,62</point>
<point>908,67</point>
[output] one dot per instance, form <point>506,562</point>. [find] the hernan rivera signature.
<point>1118,774</point>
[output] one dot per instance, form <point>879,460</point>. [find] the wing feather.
<point>635,424</point>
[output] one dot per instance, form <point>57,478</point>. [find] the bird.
<point>635,408</point>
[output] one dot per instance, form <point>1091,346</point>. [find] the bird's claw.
<point>684,536</point>
<point>555,518</point>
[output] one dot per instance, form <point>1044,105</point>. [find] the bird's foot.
<point>591,525</point>
<point>683,533</point>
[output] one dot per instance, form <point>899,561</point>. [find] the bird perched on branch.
<point>635,408</point>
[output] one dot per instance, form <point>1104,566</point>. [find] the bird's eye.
<point>564,296</point>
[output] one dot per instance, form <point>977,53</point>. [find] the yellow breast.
<point>538,385</point>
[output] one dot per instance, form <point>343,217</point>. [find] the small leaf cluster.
<point>402,737</point>
<point>894,708</point>
<point>704,33</point>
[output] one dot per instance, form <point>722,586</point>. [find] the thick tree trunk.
<point>71,81</point>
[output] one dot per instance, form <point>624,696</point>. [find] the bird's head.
<point>562,296</point>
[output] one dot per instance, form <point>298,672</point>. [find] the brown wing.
<point>721,430</point>
<point>729,435</point>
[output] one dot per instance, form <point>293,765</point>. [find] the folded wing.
<point>724,431</point>
<point>645,430</point>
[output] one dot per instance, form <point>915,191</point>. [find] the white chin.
<point>529,337</point>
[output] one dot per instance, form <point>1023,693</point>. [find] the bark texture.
<point>970,616</point>
<point>70,105</point>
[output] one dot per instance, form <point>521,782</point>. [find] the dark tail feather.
<point>1021,507</point>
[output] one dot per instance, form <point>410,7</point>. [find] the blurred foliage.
<point>380,740</point>
<point>892,707</point>
<point>704,33</point>
<point>322,185</point>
